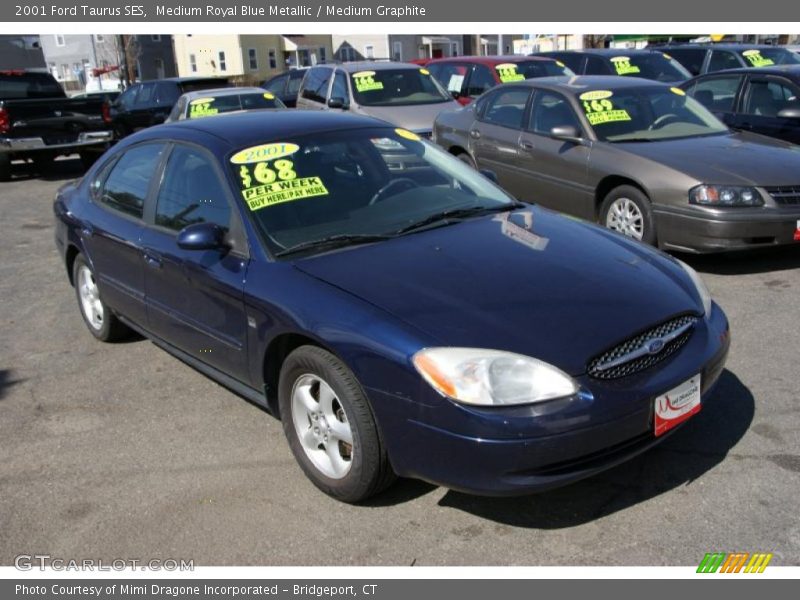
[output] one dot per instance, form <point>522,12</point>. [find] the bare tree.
<point>594,41</point>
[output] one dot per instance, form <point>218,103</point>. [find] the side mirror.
<point>789,113</point>
<point>489,174</point>
<point>201,236</point>
<point>568,133</point>
<point>338,103</point>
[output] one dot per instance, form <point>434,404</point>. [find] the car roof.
<point>606,51</point>
<point>723,46</point>
<point>228,91</point>
<point>185,79</point>
<point>787,70</point>
<point>490,60</point>
<point>583,83</point>
<point>252,127</point>
<point>374,65</point>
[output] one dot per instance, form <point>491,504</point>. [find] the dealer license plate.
<point>677,405</point>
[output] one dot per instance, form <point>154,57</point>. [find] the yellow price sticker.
<point>264,152</point>
<point>623,66</point>
<point>678,91</point>
<point>202,107</point>
<point>269,96</point>
<point>425,71</point>
<point>409,135</point>
<point>365,81</point>
<point>756,59</point>
<point>600,109</point>
<point>596,95</point>
<point>507,72</point>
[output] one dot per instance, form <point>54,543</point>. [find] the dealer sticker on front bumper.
<point>677,405</point>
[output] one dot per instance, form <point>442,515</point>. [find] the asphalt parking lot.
<point>121,451</point>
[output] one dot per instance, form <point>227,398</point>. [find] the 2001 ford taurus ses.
<point>406,320</point>
<point>637,156</point>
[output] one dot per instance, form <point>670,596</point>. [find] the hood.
<point>558,290</point>
<point>418,117</point>
<point>733,159</point>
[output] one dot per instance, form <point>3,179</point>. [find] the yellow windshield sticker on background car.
<point>667,56</point>
<point>274,182</point>
<point>623,66</point>
<point>202,107</point>
<point>678,91</point>
<point>365,81</point>
<point>405,133</point>
<point>264,152</point>
<point>269,96</point>
<point>756,60</point>
<point>560,64</point>
<point>425,71</point>
<point>600,109</point>
<point>508,72</point>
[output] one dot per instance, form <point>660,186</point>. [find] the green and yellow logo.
<point>734,562</point>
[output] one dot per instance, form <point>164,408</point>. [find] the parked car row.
<point>415,308</point>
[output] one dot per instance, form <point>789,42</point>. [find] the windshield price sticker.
<point>409,135</point>
<point>508,72</point>
<point>202,107</point>
<point>623,66</point>
<point>365,81</point>
<point>269,96</point>
<point>425,71</point>
<point>756,60</point>
<point>599,109</point>
<point>677,91</point>
<point>268,176</point>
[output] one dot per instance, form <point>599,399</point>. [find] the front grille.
<point>596,366</point>
<point>787,195</point>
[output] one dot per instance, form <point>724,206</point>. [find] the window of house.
<point>193,63</point>
<point>252,57</point>
<point>397,51</point>
<point>369,51</point>
<point>323,54</point>
<point>273,61</point>
<point>99,38</point>
<point>60,40</point>
<point>223,66</point>
<point>454,49</point>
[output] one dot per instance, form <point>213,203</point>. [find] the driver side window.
<point>551,110</point>
<point>191,192</point>
<point>506,108</point>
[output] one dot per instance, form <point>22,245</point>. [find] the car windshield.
<point>647,114</point>
<point>22,84</point>
<point>766,57</point>
<point>530,69</point>
<point>651,65</point>
<point>361,182</point>
<point>208,106</point>
<point>396,87</point>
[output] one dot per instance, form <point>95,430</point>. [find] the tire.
<point>466,159</point>
<point>5,166</point>
<point>108,328</point>
<point>626,209</point>
<point>348,472</point>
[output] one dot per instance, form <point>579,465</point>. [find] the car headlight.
<point>700,285</point>
<point>491,377</point>
<point>725,195</point>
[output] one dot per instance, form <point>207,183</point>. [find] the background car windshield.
<point>541,68</point>
<point>395,87</point>
<point>24,84</point>
<point>357,182</point>
<point>647,115</point>
<point>204,107</point>
<point>653,66</point>
<point>766,57</point>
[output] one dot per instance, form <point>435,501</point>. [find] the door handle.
<point>475,134</point>
<point>151,259</point>
<point>526,146</point>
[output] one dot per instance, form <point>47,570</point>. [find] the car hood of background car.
<point>733,159</point>
<point>417,117</point>
<point>561,291</point>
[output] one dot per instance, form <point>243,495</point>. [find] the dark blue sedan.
<point>397,310</point>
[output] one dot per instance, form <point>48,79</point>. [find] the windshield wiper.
<point>446,216</point>
<point>634,139</point>
<point>334,241</point>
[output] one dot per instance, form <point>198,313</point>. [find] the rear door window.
<point>766,98</point>
<point>315,85</point>
<point>718,94</point>
<point>146,96</point>
<point>125,188</point>
<point>507,108</point>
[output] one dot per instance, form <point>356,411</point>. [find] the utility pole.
<point>121,60</point>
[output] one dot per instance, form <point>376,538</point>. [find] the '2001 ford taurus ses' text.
<point>415,322</point>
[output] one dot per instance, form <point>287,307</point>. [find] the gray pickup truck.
<point>38,121</point>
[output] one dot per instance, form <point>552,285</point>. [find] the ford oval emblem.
<point>655,346</point>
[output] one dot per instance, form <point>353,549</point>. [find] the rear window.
<point>210,106</point>
<point>530,69</point>
<point>654,65</point>
<point>21,85</point>
<point>203,84</point>
<point>767,57</point>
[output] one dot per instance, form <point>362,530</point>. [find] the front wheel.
<point>330,427</point>
<point>99,319</point>
<point>626,209</point>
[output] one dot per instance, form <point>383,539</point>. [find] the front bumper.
<point>735,229</point>
<point>30,144</point>
<point>519,450</point>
